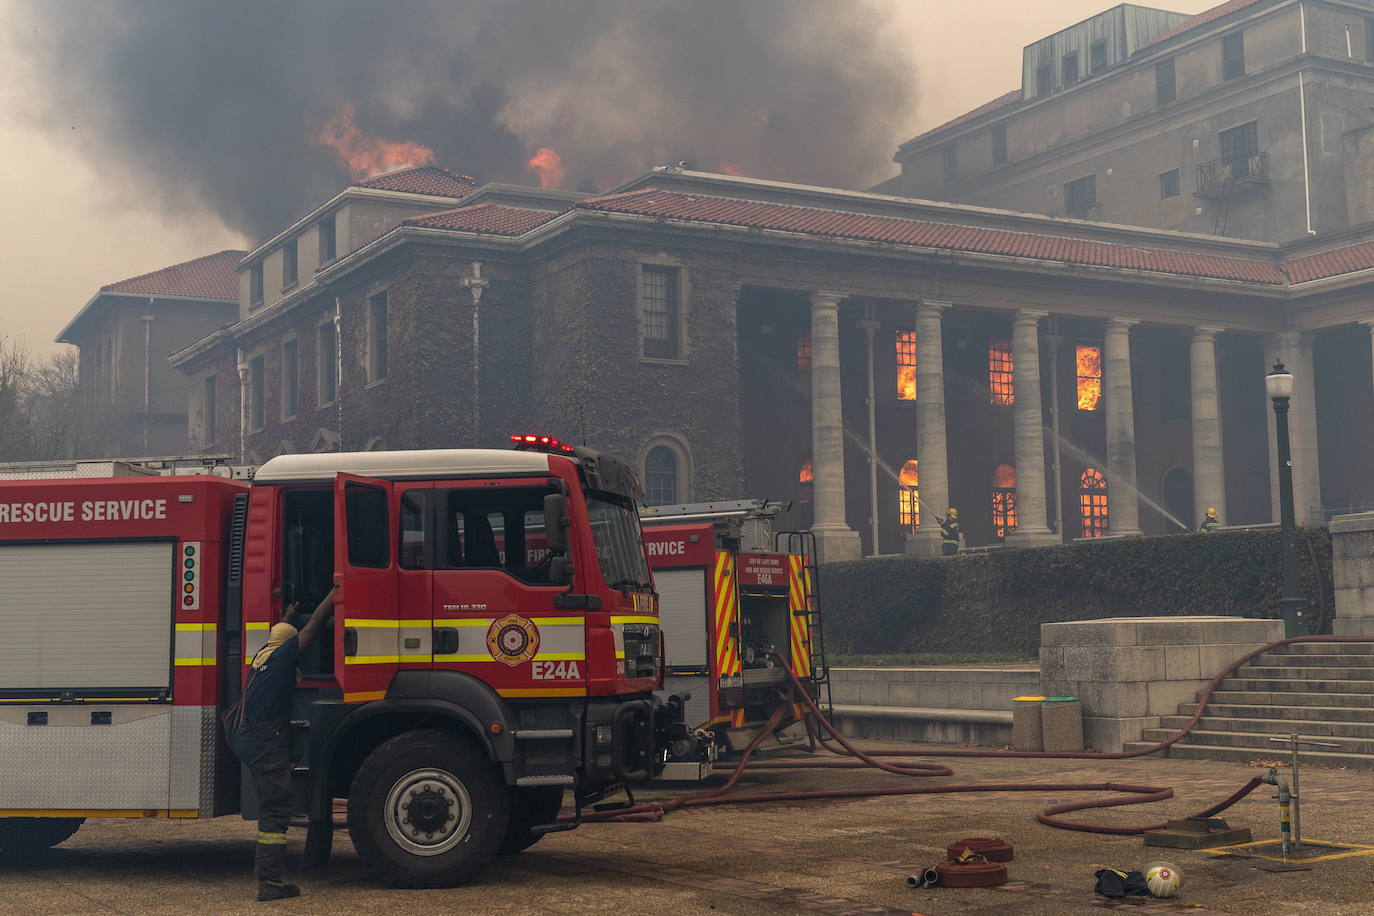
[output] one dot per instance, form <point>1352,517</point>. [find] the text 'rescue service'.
<point>94,510</point>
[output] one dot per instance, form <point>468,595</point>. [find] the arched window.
<point>1003,500</point>
<point>660,476</point>
<point>1092,502</point>
<point>908,496</point>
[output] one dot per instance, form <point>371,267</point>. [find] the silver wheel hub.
<point>427,812</point>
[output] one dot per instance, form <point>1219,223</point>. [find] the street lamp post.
<point>1279,386</point>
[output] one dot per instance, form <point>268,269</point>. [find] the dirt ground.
<point>832,857</point>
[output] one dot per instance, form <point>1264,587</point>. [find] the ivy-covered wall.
<point>995,602</point>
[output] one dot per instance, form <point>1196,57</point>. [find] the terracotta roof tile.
<point>928,234</point>
<point>426,179</point>
<point>1202,18</point>
<point>1332,263</point>
<point>496,219</point>
<point>1002,101</point>
<point>210,277</point>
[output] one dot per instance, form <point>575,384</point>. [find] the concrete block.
<point>1164,697</point>
<point>1111,735</point>
<point>1213,659</point>
<point>1193,631</point>
<point>1354,523</point>
<point>1352,626</point>
<point>1062,726</point>
<point>1116,631</point>
<point>1180,663</point>
<point>1109,699</point>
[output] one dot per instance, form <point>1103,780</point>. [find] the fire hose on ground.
<point>818,725</point>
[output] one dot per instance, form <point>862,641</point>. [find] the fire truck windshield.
<point>619,542</point>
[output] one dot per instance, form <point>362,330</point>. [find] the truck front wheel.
<point>427,809</point>
<point>21,835</point>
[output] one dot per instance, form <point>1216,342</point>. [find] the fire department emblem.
<point>513,640</point>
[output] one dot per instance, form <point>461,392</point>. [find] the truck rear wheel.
<point>427,809</point>
<point>20,835</point>
<point>529,808</point>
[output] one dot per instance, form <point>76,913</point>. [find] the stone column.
<point>932,454</point>
<point>835,540</point>
<point>1028,423</point>
<point>1209,477</point>
<point>1123,509</point>
<point>1296,354</point>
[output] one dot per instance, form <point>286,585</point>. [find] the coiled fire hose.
<point>818,726</point>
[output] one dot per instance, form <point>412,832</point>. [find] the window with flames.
<point>1001,389</point>
<point>908,496</point>
<point>1089,361</point>
<point>1092,503</point>
<point>1003,500</point>
<point>906,365</point>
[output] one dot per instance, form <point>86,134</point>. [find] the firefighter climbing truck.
<point>737,604</point>
<point>496,643</point>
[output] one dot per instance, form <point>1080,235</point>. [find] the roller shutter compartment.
<point>86,616</point>
<point>682,615</point>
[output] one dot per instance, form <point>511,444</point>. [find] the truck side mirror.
<point>556,523</point>
<point>560,571</point>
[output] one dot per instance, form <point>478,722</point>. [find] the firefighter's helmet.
<point>1211,513</point>
<point>953,512</point>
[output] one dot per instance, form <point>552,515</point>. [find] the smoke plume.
<point>235,104</point>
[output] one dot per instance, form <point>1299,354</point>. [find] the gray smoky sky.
<point>221,104</point>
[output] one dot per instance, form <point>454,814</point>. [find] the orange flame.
<point>548,165</point>
<point>735,169</point>
<point>366,155</point>
<point>1004,477</point>
<point>1089,377</point>
<point>807,475</point>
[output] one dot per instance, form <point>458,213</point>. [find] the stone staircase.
<point>1323,691</point>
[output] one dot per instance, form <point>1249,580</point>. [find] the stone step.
<point>1258,741</point>
<point>1292,697</point>
<point>1324,648</point>
<point>1246,754</point>
<point>1296,685</point>
<point>1312,660</point>
<point>1306,727</point>
<point>1316,672</point>
<point>1356,714</point>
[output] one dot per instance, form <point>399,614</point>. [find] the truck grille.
<point>641,650</point>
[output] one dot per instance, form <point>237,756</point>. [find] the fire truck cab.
<point>495,643</point>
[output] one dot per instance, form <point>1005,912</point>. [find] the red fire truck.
<point>495,644</point>
<point>733,597</point>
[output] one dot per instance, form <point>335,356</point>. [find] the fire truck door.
<point>367,635</point>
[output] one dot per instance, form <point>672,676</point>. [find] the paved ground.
<point>828,857</point>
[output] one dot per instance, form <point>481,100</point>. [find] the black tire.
<point>26,835</point>
<point>461,794</point>
<point>528,809</point>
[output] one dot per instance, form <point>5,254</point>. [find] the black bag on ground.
<point>1113,883</point>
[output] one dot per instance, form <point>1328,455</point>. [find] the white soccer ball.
<point>1163,879</point>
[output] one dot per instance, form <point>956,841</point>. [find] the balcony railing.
<point>1090,210</point>
<point>1230,174</point>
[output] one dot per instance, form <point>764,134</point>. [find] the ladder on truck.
<point>803,543</point>
<point>159,466</point>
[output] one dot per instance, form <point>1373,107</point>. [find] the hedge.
<point>995,602</point>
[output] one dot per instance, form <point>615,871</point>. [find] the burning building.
<point>875,358</point>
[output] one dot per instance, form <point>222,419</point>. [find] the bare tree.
<point>61,425</point>
<point>15,432</point>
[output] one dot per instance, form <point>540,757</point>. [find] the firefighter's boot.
<point>276,890</point>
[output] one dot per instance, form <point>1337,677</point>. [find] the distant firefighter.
<point>950,533</point>
<point>1210,523</point>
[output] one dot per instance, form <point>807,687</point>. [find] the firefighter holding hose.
<point>258,728</point>
<point>950,533</point>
